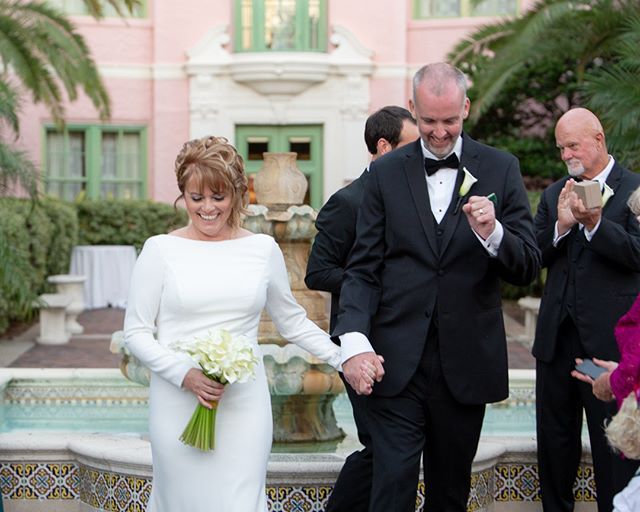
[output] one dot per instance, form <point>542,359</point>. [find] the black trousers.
<point>352,489</point>
<point>560,400</point>
<point>423,420</point>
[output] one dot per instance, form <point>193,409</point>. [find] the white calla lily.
<point>607,194</point>
<point>467,182</point>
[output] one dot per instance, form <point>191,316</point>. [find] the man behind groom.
<point>422,289</point>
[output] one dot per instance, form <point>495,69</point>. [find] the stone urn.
<point>279,184</point>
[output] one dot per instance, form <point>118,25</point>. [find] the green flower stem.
<point>200,431</point>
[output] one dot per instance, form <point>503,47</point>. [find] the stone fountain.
<point>303,388</point>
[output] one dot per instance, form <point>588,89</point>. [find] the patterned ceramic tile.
<point>39,481</point>
<point>519,482</point>
<point>108,491</point>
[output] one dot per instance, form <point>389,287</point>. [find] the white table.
<point>108,271</point>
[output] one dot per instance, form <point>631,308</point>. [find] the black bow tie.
<point>431,165</point>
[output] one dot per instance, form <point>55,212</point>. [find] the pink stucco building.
<point>275,75</point>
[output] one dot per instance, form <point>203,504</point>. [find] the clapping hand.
<point>362,370</point>
<point>566,220</point>
<point>588,217</point>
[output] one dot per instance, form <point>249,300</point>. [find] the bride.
<point>210,275</point>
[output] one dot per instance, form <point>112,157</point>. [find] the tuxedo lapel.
<point>453,214</point>
<point>468,159</point>
<point>416,177</point>
<point>613,181</point>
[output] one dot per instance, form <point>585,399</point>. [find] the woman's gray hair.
<point>634,202</point>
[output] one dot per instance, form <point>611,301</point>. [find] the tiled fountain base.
<point>70,486</point>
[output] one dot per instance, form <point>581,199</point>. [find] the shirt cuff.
<point>556,237</point>
<point>589,234</point>
<point>493,241</point>
<point>354,343</point>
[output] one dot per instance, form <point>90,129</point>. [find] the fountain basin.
<point>82,471</point>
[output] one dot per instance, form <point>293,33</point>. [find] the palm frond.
<point>16,170</point>
<point>9,104</point>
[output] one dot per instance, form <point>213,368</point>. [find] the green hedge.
<point>35,241</point>
<point>539,159</point>
<point>125,222</point>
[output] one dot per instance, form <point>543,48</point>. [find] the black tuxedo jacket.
<point>605,276</point>
<point>397,277</point>
<point>336,225</point>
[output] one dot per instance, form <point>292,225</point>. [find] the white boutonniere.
<point>607,193</point>
<point>467,182</point>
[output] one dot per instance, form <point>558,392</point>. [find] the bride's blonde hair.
<point>214,163</point>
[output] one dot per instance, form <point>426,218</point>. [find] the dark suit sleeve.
<point>518,256</point>
<point>619,244</point>
<point>336,230</point>
<point>360,292</point>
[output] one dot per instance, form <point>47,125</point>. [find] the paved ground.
<point>91,349</point>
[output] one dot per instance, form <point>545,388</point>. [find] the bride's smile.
<point>209,213</point>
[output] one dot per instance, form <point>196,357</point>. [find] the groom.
<point>441,222</point>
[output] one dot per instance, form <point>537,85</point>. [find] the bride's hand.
<point>205,389</point>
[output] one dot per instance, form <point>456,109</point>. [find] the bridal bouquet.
<point>226,359</point>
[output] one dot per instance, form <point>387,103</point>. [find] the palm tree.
<point>526,71</point>
<point>43,57</point>
<point>614,92</point>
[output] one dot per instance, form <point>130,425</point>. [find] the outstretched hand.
<point>205,389</point>
<point>601,386</point>
<point>362,370</point>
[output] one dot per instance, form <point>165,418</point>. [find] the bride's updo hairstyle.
<point>211,162</point>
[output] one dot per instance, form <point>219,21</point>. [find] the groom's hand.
<point>361,370</point>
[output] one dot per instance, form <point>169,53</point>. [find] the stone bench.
<point>531,306</point>
<point>53,315</point>
<point>73,286</point>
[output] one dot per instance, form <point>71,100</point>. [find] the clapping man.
<point>593,261</point>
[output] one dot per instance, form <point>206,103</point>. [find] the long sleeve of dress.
<point>627,374</point>
<point>143,304</point>
<point>290,318</point>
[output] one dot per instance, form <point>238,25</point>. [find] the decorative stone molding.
<point>278,88</point>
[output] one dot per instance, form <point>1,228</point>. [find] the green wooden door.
<point>306,140</point>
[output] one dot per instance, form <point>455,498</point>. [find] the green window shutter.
<point>97,161</point>
<point>280,25</point>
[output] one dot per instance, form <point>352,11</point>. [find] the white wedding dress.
<point>181,289</point>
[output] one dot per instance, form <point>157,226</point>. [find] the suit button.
<point>427,314</point>
<point>440,272</point>
<point>439,232</point>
